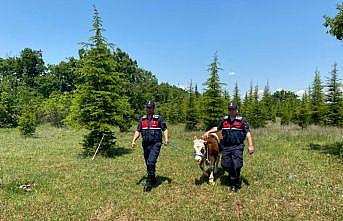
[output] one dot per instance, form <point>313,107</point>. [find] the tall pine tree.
<point>191,111</point>
<point>196,92</point>
<point>317,100</point>
<point>100,105</point>
<point>236,96</point>
<point>334,99</point>
<point>267,105</point>
<point>213,102</point>
<point>247,108</point>
<point>257,118</point>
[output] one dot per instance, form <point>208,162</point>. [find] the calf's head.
<point>199,148</point>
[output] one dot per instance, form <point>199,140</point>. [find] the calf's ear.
<point>195,137</point>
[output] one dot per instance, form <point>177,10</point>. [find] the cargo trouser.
<point>151,153</point>
<point>232,160</point>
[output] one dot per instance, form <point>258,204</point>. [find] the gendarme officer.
<point>151,126</point>
<point>234,130</point>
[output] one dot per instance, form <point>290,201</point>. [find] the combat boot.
<point>234,188</point>
<point>147,186</point>
<point>235,184</point>
<point>151,180</point>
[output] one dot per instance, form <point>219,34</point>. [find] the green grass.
<point>294,175</point>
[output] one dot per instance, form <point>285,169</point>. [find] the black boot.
<point>234,184</point>
<point>234,188</point>
<point>151,180</point>
<point>147,186</point>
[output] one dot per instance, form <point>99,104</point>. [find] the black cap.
<point>232,106</point>
<point>150,104</point>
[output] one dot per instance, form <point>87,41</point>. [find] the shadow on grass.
<point>118,151</point>
<point>112,153</point>
<point>159,180</point>
<point>224,179</point>
<point>201,180</point>
<point>335,149</point>
<point>204,178</point>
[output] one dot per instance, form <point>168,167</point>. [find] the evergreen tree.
<point>197,102</point>
<point>257,118</point>
<point>196,92</point>
<point>242,109</point>
<point>334,99</point>
<point>213,102</point>
<point>304,112</point>
<point>226,97</point>
<point>247,108</point>
<point>236,96</point>
<point>317,100</point>
<point>267,105</point>
<point>191,115</point>
<point>100,104</point>
<point>286,115</point>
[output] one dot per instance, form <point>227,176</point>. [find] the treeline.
<point>321,104</point>
<point>104,89</point>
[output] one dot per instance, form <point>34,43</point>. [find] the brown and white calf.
<point>207,154</point>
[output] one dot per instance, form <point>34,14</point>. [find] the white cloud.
<point>300,93</point>
<point>232,73</point>
<point>279,89</point>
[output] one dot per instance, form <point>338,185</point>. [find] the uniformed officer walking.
<point>234,130</point>
<point>151,127</point>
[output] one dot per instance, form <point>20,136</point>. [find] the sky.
<point>279,42</point>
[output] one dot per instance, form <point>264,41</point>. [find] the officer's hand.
<point>206,134</point>
<point>133,144</point>
<point>251,149</point>
<point>167,142</point>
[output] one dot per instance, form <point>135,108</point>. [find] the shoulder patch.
<point>156,116</point>
<point>226,117</point>
<point>144,117</point>
<point>239,118</point>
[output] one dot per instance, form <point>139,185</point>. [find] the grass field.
<point>294,175</point>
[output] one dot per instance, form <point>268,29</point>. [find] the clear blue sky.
<point>267,40</point>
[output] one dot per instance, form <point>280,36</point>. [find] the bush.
<point>56,109</point>
<point>28,123</point>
